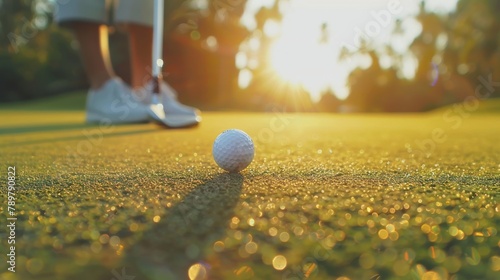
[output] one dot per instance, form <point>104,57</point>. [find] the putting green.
<point>412,196</point>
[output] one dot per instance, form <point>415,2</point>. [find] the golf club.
<point>156,110</point>
<point>156,107</point>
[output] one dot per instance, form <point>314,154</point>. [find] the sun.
<point>303,56</point>
<point>309,64</point>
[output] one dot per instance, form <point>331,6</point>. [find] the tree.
<point>452,51</point>
<point>36,58</point>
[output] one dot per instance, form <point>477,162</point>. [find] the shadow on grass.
<point>88,132</point>
<point>44,128</point>
<point>186,235</point>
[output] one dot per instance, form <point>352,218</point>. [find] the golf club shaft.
<point>157,62</point>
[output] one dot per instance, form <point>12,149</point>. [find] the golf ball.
<point>233,150</point>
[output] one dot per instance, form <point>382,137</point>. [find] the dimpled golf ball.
<point>233,150</point>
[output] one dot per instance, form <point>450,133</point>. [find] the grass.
<point>327,196</point>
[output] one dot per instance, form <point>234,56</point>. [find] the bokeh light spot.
<point>383,234</point>
<point>197,272</point>
<point>279,262</point>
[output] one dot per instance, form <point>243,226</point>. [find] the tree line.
<point>37,58</point>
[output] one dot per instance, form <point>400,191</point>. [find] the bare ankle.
<point>99,82</point>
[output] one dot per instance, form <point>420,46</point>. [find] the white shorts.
<point>125,11</point>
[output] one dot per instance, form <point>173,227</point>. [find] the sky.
<point>298,57</point>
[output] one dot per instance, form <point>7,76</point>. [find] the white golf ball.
<point>233,150</point>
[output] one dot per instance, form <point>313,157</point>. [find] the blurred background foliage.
<point>34,53</point>
<point>205,40</point>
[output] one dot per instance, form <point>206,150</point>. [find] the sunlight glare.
<point>301,57</point>
<point>271,28</point>
<point>308,65</point>
<point>241,60</point>
<point>244,78</point>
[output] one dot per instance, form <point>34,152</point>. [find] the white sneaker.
<point>176,114</point>
<point>115,102</point>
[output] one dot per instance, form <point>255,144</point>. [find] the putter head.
<point>155,109</point>
<point>157,114</point>
<point>180,121</point>
<point>172,121</point>
<point>175,121</point>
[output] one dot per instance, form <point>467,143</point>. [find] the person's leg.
<point>140,38</point>
<point>94,49</point>
<point>109,99</point>
<point>87,21</point>
<point>137,18</point>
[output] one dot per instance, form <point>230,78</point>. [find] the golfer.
<point>109,99</point>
